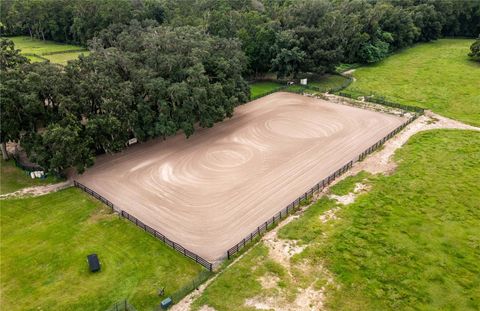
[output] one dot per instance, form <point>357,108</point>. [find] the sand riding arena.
<point>210,191</point>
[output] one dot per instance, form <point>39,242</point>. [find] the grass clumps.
<point>438,76</point>
<point>411,242</point>
<point>348,184</point>
<point>45,241</point>
<point>240,281</point>
<point>308,227</point>
<point>258,278</point>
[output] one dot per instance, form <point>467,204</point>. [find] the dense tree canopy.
<point>158,67</point>
<point>144,83</point>
<point>72,21</point>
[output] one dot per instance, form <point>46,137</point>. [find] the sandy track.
<point>210,191</point>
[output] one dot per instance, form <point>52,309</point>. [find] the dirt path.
<point>381,161</point>
<point>350,74</point>
<point>37,190</point>
<point>378,162</point>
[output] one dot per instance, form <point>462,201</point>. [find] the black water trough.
<point>93,262</point>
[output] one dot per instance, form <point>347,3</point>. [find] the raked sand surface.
<point>209,191</point>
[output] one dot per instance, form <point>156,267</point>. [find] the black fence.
<point>147,228</point>
<point>382,101</point>
<point>299,88</point>
<point>318,187</point>
<point>191,286</point>
<point>345,84</point>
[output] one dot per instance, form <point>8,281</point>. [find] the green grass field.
<point>12,178</point>
<point>63,58</point>
<point>437,76</point>
<point>328,82</point>
<point>45,241</point>
<point>412,242</point>
<point>62,53</point>
<point>260,88</point>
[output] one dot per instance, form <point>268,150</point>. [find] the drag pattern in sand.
<point>211,190</point>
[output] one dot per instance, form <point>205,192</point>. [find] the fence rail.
<point>121,306</point>
<point>179,248</point>
<point>299,88</point>
<point>381,101</point>
<point>318,187</point>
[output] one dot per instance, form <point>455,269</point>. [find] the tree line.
<point>144,82</point>
<point>158,67</point>
<point>70,21</point>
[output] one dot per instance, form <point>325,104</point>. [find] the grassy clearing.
<point>12,178</point>
<point>263,87</point>
<point>62,52</point>
<point>409,243</point>
<point>40,47</point>
<point>328,82</point>
<point>437,76</point>
<point>412,242</point>
<point>63,58</point>
<point>45,241</point>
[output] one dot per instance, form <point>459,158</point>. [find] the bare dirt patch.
<point>307,299</point>
<point>37,190</point>
<point>281,250</point>
<point>207,308</point>
<point>269,281</point>
<point>350,197</point>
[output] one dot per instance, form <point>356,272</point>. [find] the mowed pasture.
<point>410,242</point>
<point>260,88</point>
<point>210,191</point>
<point>38,50</point>
<point>45,241</point>
<point>438,76</point>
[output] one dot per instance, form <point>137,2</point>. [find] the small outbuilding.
<point>93,262</point>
